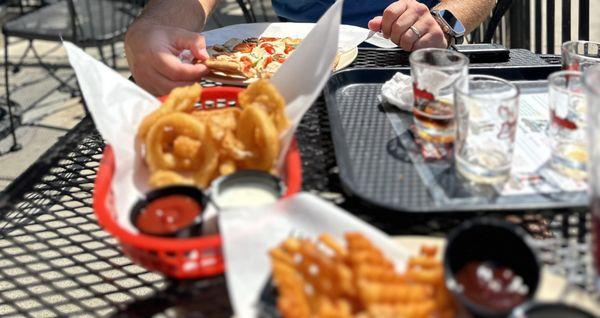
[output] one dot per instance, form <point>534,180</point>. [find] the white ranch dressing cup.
<point>246,188</point>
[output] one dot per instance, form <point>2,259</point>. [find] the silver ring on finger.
<point>415,31</point>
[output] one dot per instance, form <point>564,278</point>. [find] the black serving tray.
<point>375,167</point>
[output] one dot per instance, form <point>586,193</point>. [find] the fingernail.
<point>204,53</point>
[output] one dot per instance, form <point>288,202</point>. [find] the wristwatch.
<point>451,25</point>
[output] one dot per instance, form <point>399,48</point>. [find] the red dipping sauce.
<point>168,215</point>
<point>495,287</point>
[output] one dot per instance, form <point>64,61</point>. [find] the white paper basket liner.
<point>248,234</point>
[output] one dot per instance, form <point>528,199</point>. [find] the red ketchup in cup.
<point>168,215</point>
<point>493,286</point>
<point>171,212</point>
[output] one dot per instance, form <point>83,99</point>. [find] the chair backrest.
<point>247,10</point>
<point>498,13</point>
<point>102,20</point>
<point>489,30</point>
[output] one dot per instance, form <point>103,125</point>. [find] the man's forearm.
<point>186,14</point>
<point>470,12</point>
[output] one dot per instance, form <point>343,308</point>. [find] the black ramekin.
<point>193,229</point>
<point>490,240</point>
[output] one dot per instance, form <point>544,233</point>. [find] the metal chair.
<point>499,11</point>
<point>248,10</point>
<point>487,32</point>
<point>29,5</point>
<point>87,23</point>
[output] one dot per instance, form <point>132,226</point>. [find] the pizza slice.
<point>251,57</point>
<point>232,65</point>
<point>232,57</point>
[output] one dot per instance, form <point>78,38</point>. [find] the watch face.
<point>453,22</point>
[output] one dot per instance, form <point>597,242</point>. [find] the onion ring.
<point>259,136</point>
<point>272,99</point>
<point>264,94</point>
<point>180,99</point>
<point>186,147</point>
<point>233,147</point>
<point>162,135</point>
<point>149,120</point>
<point>209,164</point>
<point>183,99</point>
<point>220,121</point>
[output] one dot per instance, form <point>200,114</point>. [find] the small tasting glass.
<point>591,82</point>
<point>567,129</point>
<point>434,72</point>
<point>580,55</point>
<point>487,110</point>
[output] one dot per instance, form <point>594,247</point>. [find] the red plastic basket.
<point>175,257</point>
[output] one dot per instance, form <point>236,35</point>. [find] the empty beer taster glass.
<point>580,55</point>
<point>434,72</point>
<point>487,110</point>
<point>567,129</point>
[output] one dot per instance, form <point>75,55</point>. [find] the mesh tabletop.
<point>55,260</point>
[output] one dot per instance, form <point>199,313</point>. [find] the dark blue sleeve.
<point>430,3</point>
<point>355,12</point>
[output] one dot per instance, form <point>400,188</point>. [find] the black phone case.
<point>484,52</point>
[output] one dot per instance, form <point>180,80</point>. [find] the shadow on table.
<point>193,298</point>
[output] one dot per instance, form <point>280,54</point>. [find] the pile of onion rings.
<point>186,145</point>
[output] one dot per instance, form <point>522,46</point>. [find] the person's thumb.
<point>191,41</point>
<point>375,24</point>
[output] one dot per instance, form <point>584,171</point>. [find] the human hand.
<point>396,22</point>
<point>152,53</point>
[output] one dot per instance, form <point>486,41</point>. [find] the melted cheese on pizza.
<point>255,57</point>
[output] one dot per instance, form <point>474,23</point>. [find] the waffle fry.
<point>325,279</point>
<point>184,145</point>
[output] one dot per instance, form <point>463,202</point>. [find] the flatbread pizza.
<point>251,57</point>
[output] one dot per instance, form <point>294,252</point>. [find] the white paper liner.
<point>302,77</point>
<point>117,107</point>
<point>248,234</point>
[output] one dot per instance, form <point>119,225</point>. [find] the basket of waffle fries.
<point>196,136</point>
<point>325,278</point>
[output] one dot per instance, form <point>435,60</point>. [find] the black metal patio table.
<point>55,260</point>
